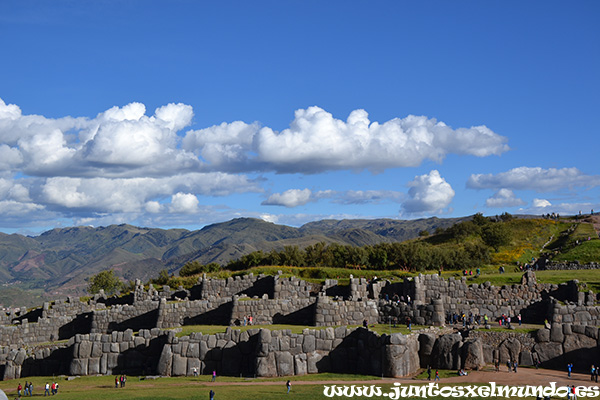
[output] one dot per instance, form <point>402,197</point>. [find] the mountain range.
<point>58,262</point>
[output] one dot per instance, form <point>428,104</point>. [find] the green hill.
<point>58,262</point>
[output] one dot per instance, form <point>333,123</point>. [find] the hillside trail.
<point>593,219</point>
<point>596,222</point>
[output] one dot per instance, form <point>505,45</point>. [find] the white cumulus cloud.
<point>223,146</point>
<point>541,203</point>
<point>185,203</point>
<point>289,198</point>
<point>361,196</point>
<point>428,193</point>
<point>504,198</point>
<point>133,194</point>
<point>538,179</point>
<point>316,142</point>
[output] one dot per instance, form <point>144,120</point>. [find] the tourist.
<point>515,367</point>
<point>211,395</point>
<point>437,375</point>
<point>509,365</point>
<point>19,388</point>
<point>519,319</point>
<point>47,389</point>
<point>428,373</point>
<point>288,384</point>
<point>30,388</point>
<point>26,389</point>
<point>569,368</point>
<point>592,373</point>
<point>214,376</point>
<point>409,323</point>
<point>195,371</point>
<point>116,381</point>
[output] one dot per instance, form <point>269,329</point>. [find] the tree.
<point>195,268</point>
<point>105,280</point>
<point>505,217</point>
<point>480,220</point>
<point>163,278</point>
<point>496,235</point>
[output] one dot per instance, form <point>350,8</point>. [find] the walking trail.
<point>524,376</point>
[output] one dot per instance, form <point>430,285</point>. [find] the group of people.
<point>511,366</point>
<point>437,374</point>
<point>27,390</point>
<point>470,272</point>
<point>120,381</point>
<point>398,298</point>
<point>51,389</point>
<point>471,319</point>
<point>248,320</point>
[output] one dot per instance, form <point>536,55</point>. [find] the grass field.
<point>212,329</point>
<point>102,387</point>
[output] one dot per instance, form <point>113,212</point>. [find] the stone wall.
<point>280,353</point>
<point>292,300</point>
<point>227,288</point>
<point>329,312</point>
<point>215,311</point>
<point>575,313</point>
<point>420,314</point>
<point>118,352</point>
<point>141,315</point>
<point>260,352</point>
<point>290,288</point>
<point>294,311</point>
<point>570,265</point>
<point>41,360</point>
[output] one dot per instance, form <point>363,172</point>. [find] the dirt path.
<point>524,376</point>
<point>596,222</point>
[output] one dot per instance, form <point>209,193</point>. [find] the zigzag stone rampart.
<point>100,339</point>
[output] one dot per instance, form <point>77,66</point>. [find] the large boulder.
<point>426,342</point>
<point>401,359</point>
<point>266,366</point>
<point>317,362</point>
<point>543,335</point>
<point>550,354</point>
<point>179,367</point>
<point>526,359</point>
<point>79,366</point>
<point>472,354</point>
<point>445,353</point>
<point>509,350</point>
<point>556,333</point>
<point>285,363</point>
<point>165,361</point>
<point>300,366</point>
<point>580,349</point>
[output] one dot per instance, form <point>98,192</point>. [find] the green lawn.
<point>102,388</point>
<point>212,329</point>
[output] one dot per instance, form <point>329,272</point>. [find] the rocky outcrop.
<point>401,355</point>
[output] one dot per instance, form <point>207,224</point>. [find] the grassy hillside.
<point>59,262</point>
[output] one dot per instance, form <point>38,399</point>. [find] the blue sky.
<point>185,113</point>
